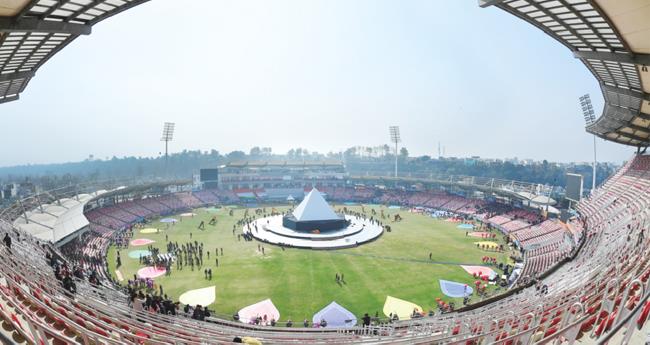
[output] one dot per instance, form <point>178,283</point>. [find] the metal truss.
<point>584,28</point>
<point>41,29</point>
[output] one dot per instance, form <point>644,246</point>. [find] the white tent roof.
<point>527,195</point>
<point>314,207</point>
<point>543,200</point>
<point>53,222</point>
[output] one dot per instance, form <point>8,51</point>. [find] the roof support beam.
<point>620,140</point>
<point>638,128</point>
<point>488,3</point>
<point>9,99</point>
<point>620,111</point>
<point>644,116</point>
<point>16,75</point>
<point>48,26</point>
<point>637,59</point>
<point>627,92</point>
<point>632,136</point>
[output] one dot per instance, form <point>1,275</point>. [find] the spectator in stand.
<point>366,320</point>
<point>138,302</point>
<point>7,240</point>
<point>198,314</point>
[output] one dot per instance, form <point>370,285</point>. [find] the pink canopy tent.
<point>481,234</point>
<point>142,242</point>
<point>265,307</point>
<point>482,270</point>
<point>150,272</point>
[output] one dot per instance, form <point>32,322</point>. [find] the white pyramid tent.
<point>314,207</point>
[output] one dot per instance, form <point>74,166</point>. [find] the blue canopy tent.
<point>335,316</point>
<point>456,290</point>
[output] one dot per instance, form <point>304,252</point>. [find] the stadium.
<point>295,252</point>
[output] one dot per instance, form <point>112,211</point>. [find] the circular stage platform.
<point>271,230</point>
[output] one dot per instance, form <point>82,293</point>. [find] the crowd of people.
<point>151,302</point>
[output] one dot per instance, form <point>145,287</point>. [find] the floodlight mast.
<point>396,139</point>
<point>167,136</point>
<point>590,117</point>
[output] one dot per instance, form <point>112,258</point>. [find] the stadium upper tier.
<point>532,193</point>
<point>32,31</point>
<point>612,38</point>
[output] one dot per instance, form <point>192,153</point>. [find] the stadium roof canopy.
<point>32,31</point>
<point>612,38</point>
<point>57,220</point>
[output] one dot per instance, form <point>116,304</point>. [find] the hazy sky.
<point>323,75</point>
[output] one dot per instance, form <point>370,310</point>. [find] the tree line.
<point>358,160</point>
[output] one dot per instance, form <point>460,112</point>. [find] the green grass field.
<point>300,282</point>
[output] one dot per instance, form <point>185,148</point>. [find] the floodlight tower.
<point>590,118</point>
<point>396,139</point>
<point>167,136</point>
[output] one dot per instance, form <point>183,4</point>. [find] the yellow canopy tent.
<point>403,309</point>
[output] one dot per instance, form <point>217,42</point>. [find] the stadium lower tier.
<point>600,291</point>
